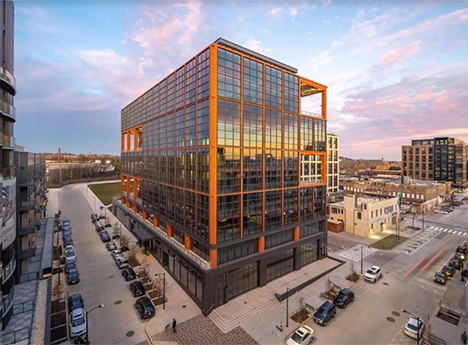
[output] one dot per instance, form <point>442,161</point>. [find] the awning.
<point>142,234</point>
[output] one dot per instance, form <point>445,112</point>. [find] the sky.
<point>395,71</point>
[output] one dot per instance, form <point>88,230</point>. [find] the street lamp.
<point>417,320</point>
<point>164,288</point>
<point>87,324</point>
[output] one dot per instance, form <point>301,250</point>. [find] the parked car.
<point>73,277</point>
<point>66,222</point>
<point>325,313</point>
<point>440,211</point>
<point>75,302</point>
<point>448,271</point>
<point>137,289</point>
<point>111,245</point>
<point>98,225</point>
<point>462,249</point>
<point>465,245</point>
<point>128,273</point>
<point>343,298</point>
<point>70,255</point>
<point>459,256</point>
<point>67,233</point>
<point>121,262</point>
<point>67,241</point>
<point>69,247</point>
<point>373,274</point>
<point>145,307</point>
<point>77,323</point>
<point>412,328</point>
<point>94,217</point>
<point>440,278</point>
<point>105,238</point>
<point>66,228</point>
<point>116,252</point>
<point>302,336</point>
<point>455,263</point>
<point>103,232</point>
<point>70,265</point>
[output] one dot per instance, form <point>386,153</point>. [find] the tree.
<point>124,242</point>
<point>145,270</point>
<point>330,288</point>
<point>133,256</point>
<point>116,231</point>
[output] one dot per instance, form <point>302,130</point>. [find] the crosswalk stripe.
<point>439,229</point>
<point>445,230</point>
<point>450,231</point>
<point>460,232</point>
<point>466,233</point>
<point>432,227</point>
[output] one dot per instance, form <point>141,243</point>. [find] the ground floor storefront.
<point>211,288</point>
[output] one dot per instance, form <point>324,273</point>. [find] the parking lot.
<point>100,279</point>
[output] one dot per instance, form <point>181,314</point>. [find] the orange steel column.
<point>122,182</point>
<point>128,186</point>
<point>296,233</point>
<point>155,221</point>
<point>145,214</point>
<point>122,200</point>
<point>214,258</point>
<point>135,139</point>
<point>188,242</point>
<point>324,104</point>
<point>122,142</point>
<point>135,189</point>
<point>136,209</point>
<point>129,204</point>
<point>213,142</point>
<point>261,244</point>
<point>324,167</point>
<point>128,140</point>
<point>170,230</point>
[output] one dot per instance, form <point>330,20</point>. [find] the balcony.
<point>8,110</point>
<point>311,180</point>
<point>8,78</point>
<point>8,173</point>
<point>9,142</point>
<point>310,113</point>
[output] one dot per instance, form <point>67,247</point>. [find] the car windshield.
<point>340,295</point>
<point>370,272</point>
<point>412,327</point>
<point>70,253</point>
<point>78,322</point>
<point>297,338</point>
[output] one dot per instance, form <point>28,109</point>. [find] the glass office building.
<point>211,172</point>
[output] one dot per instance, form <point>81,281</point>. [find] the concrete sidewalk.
<point>179,305</point>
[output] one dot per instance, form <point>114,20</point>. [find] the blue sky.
<point>395,70</point>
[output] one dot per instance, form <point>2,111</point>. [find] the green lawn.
<point>388,242</point>
<point>106,191</point>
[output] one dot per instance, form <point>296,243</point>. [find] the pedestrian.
<point>464,338</point>
<point>174,325</point>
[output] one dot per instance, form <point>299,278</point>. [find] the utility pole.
<point>287,307</point>
<point>362,264</point>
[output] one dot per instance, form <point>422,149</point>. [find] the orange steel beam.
<point>135,189</point>
<point>122,142</point>
<point>188,242</point>
<point>241,225</point>
<point>136,209</point>
<point>145,214</point>
<point>129,204</point>
<point>214,258</point>
<point>128,186</point>
<point>122,200</point>
<point>213,144</point>
<point>135,139</point>
<point>155,221</point>
<point>324,168</point>
<point>170,230</point>
<point>324,104</point>
<point>122,183</point>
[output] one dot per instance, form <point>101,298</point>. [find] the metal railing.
<point>8,77</point>
<point>8,109</point>
<point>9,141</point>
<point>311,181</point>
<point>14,337</point>
<point>309,113</point>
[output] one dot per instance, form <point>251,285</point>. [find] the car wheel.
<point>325,323</point>
<point>335,314</point>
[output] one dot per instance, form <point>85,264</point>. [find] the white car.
<point>70,255</point>
<point>302,336</point>
<point>69,247</point>
<point>121,262</point>
<point>116,253</point>
<point>411,328</point>
<point>77,323</point>
<point>373,274</point>
<point>440,211</point>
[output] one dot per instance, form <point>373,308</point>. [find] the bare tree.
<point>145,269</point>
<point>330,287</point>
<point>124,242</point>
<point>133,256</point>
<point>302,302</point>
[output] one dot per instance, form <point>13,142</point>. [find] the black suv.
<point>455,263</point>
<point>137,289</point>
<point>75,302</point>
<point>325,313</point>
<point>73,277</point>
<point>462,249</point>
<point>70,265</point>
<point>344,297</point>
<point>448,271</point>
<point>128,273</point>
<point>145,308</point>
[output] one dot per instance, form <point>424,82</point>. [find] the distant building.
<point>333,163</point>
<point>420,193</point>
<point>438,159</point>
<point>364,215</point>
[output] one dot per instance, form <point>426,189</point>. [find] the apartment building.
<point>365,215</point>
<point>7,169</point>
<point>212,165</point>
<point>333,163</point>
<point>438,159</point>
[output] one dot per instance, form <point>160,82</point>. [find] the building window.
<point>190,126</point>
<point>171,92</point>
<point>201,250</point>
<point>291,131</point>
<point>320,135</point>
<point>253,213</point>
<point>308,253</point>
<point>273,87</point>
<point>272,169</point>
<point>229,76</point>
<point>190,82</point>
<point>228,170</point>
<point>204,74</point>
<point>180,88</point>
<point>309,229</point>
<point>253,169</point>
<point>279,238</point>
<point>291,168</point>
<point>273,210</point>
<point>203,216</point>
<point>291,93</point>
<point>280,264</point>
<point>229,123</point>
<point>290,206</point>
<point>237,281</point>
<point>237,251</point>
<point>253,81</point>
<point>359,215</point>
<point>273,129</point>
<point>203,123</point>
<point>203,170</point>
<point>253,126</point>
<point>307,131</point>
<point>307,204</point>
<point>228,217</point>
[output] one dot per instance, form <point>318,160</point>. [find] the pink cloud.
<point>400,54</point>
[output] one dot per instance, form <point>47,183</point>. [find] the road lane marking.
<point>445,230</point>
<point>450,231</point>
